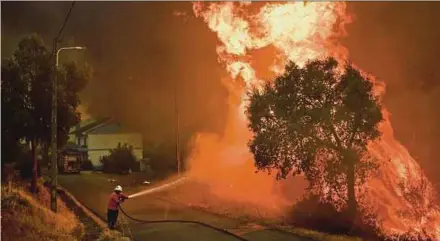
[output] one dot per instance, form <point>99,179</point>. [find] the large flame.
<point>256,40</point>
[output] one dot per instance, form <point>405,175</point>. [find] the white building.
<point>98,137</point>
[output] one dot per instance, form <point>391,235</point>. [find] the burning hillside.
<point>255,42</point>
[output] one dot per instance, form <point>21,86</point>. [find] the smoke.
<point>141,50</point>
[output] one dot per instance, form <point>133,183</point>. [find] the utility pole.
<point>177,130</point>
<point>54,124</point>
<point>54,150</point>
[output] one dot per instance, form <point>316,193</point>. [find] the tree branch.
<point>325,144</point>
<point>355,128</point>
<point>335,135</point>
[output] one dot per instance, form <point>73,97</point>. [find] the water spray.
<point>158,188</point>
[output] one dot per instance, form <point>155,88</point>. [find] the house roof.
<point>101,126</point>
<point>106,128</point>
<point>88,125</point>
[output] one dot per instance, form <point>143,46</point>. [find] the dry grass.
<point>28,217</point>
<point>109,235</point>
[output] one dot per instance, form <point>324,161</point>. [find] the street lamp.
<point>67,48</point>
<point>54,169</point>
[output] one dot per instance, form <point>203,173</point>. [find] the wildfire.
<point>251,34</point>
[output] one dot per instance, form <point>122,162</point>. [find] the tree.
<point>26,96</point>
<point>317,121</point>
<point>13,116</point>
<point>31,61</point>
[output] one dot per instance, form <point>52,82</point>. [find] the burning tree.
<point>316,120</point>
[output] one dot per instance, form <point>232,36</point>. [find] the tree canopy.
<point>26,92</point>
<point>316,120</point>
<point>27,96</point>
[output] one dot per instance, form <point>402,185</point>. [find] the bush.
<point>312,213</point>
<point>87,165</point>
<point>121,160</point>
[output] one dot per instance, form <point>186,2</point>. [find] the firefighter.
<point>116,198</point>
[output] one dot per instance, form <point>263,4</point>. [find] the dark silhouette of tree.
<point>316,121</point>
<point>13,113</point>
<point>27,97</point>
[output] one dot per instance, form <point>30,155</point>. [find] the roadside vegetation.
<point>28,217</point>
<point>109,235</point>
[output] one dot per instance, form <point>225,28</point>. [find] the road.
<point>93,192</point>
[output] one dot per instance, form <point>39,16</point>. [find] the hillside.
<point>28,217</point>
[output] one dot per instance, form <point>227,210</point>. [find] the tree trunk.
<point>46,157</point>
<point>34,167</point>
<point>351,203</point>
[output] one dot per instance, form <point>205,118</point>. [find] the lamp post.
<point>66,48</point>
<point>54,169</point>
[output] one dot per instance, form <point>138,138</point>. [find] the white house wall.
<point>99,145</point>
<point>72,138</point>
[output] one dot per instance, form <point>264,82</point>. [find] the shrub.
<point>312,213</point>
<point>121,160</point>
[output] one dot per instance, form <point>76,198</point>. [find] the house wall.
<point>72,138</point>
<point>80,141</point>
<point>99,145</point>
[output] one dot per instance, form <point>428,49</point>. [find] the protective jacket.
<point>115,199</point>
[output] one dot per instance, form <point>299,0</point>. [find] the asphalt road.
<point>93,192</point>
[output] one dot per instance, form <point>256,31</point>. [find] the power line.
<point>65,21</point>
<point>56,40</point>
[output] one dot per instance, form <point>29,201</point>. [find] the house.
<point>98,137</point>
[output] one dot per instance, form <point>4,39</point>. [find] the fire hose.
<point>182,221</point>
